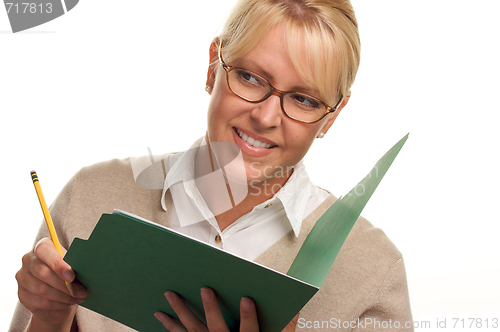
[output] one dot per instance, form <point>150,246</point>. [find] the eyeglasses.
<point>254,88</point>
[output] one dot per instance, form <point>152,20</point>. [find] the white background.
<point>111,78</point>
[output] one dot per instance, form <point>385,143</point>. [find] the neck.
<point>229,202</point>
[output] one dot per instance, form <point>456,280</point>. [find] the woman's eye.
<point>305,101</point>
<point>249,78</point>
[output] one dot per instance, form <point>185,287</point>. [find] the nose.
<point>268,113</point>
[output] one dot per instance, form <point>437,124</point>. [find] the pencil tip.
<point>71,289</point>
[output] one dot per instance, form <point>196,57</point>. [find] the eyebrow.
<point>249,65</point>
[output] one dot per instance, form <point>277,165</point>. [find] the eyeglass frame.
<point>277,92</point>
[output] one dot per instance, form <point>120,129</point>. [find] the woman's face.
<point>229,117</point>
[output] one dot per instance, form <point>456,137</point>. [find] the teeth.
<point>252,141</point>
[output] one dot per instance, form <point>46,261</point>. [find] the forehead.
<point>281,56</point>
<point>270,51</point>
<point>312,54</point>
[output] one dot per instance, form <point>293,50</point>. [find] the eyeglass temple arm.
<point>221,59</point>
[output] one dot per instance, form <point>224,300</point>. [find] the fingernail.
<point>163,318</point>
<point>170,297</point>
<point>206,295</point>
<point>68,275</point>
<point>246,304</point>
<point>82,293</point>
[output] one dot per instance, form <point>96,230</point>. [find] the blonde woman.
<point>279,75</point>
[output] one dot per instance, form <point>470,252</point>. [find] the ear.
<point>334,115</point>
<point>214,55</point>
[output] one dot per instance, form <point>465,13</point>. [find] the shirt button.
<point>268,205</point>
<point>217,239</point>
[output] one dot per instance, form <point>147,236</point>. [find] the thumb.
<point>292,325</point>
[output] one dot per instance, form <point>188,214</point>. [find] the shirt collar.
<point>294,195</point>
<point>181,168</point>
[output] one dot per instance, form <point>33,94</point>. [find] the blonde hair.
<point>327,28</point>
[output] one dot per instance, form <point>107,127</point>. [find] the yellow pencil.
<point>49,222</point>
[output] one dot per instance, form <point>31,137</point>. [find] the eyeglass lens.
<point>254,88</point>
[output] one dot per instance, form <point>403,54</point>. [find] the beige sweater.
<point>366,288</point>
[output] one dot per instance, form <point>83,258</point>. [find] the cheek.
<point>225,106</point>
<point>300,137</point>
<point>216,107</point>
<point>224,111</point>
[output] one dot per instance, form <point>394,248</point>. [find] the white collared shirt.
<point>254,232</point>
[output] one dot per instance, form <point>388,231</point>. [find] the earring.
<point>208,88</point>
<point>321,135</point>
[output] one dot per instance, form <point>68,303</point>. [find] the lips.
<point>253,141</point>
<point>251,145</point>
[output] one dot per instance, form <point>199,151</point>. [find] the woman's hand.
<point>213,315</point>
<point>42,288</point>
<point>292,325</point>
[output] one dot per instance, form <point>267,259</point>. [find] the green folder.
<point>128,263</point>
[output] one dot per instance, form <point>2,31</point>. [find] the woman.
<point>279,75</point>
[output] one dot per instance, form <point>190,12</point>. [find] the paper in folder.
<point>128,263</point>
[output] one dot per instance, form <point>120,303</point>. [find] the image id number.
<point>28,8</point>
<point>475,323</point>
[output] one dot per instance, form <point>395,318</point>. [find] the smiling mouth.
<point>252,141</point>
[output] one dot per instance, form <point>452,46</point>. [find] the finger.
<point>248,314</point>
<point>215,320</point>
<point>168,322</point>
<point>292,325</point>
<point>37,287</point>
<point>37,278</point>
<point>34,269</point>
<point>186,316</point>
<point>34,302</point>
<point>80,291</point>
<point>47,253</point>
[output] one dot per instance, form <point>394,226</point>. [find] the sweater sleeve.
<point>59,213</point>
<point>391,310</point>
